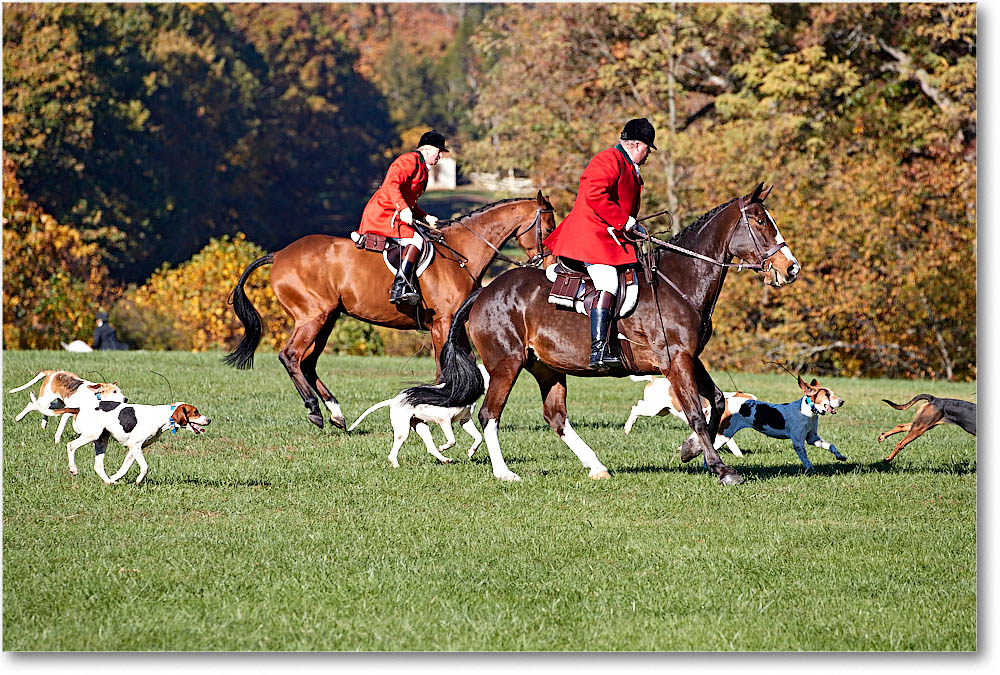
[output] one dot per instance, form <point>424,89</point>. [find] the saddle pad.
<point>628,304</point>
<point>390,256</point>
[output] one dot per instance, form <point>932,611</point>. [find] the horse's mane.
<point>701,221</point>
<point>487,207</point>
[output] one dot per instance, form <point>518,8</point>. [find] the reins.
<point>533,261</point>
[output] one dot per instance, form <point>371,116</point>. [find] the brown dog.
<point>937,411</point>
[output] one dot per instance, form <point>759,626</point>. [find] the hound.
<point>403,416</point>
<point>134,426</point>
<point>797,421</point>
<point>72,389</point>
<point>936,411</point>
<point>658,399</point>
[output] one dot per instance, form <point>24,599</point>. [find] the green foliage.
<point>172,123</point>
<point>863,115</point>
<point>265,534</point>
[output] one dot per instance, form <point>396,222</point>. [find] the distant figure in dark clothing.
<point>104,334</point>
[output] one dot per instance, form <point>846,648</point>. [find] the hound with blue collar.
<point>797,421</point>
<point>134,426</point>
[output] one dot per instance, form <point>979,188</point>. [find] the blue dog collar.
<point>173,424</point>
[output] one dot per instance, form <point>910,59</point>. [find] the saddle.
<point>391,250</point>
<point>573,289</point>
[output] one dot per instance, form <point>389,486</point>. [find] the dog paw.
<point>599,474</point>
<point>508,476</point>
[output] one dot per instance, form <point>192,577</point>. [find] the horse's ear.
<point>540,199</point>
<point>766,192</point>
<point>755,197</point>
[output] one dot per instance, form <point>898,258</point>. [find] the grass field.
<point>268,534</point>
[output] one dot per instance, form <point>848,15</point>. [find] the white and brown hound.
<point>797,421</point>
<point>73,390</point>
<point>403,416</point>
<point>134,426</point>
<point>658,399</point>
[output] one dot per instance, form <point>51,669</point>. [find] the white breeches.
<point>415,240</point>
<point>605,277</point>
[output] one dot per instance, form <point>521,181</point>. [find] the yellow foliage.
<point>185,307</point>
<point>53,280</point>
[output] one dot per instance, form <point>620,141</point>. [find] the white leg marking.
<point>335,411</point>
<point>126,465</point>
<point>584,452</point>
<point>500,469</point>
<point>733,448</point>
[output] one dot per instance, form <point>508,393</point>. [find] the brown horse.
<point>515,328</point>
<point>318,277</point>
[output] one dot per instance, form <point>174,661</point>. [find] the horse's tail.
<point>371,410</point>
<point>904,406</point>
<point>242,356</point>
<point>461,383</point>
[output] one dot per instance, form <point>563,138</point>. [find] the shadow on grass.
<point>789,470</point>
<point>210,482</point>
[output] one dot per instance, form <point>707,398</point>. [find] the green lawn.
<point>269,534</point>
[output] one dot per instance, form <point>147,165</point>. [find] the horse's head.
<point>530,238</point>
<point>757,240</point>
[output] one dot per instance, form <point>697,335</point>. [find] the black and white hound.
<point>134,426</point>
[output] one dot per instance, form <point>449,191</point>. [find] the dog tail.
<point>370,410</point>
<point>253,328</point>
<point>904,406</point>
<point>461,382</point>
<point>36,378</point>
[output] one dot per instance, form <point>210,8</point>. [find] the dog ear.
<point>180,415</point>
<point>808,389</point>
<point>813,383</point>
<point>95,387</point>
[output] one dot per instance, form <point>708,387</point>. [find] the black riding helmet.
<point>433,139</point>
<point>639,130</point>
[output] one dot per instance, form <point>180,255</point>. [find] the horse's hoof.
<point>316,419</point>
<point>689,450</point>
<point>338,422</point>
<point>731,478</point>
<point>600,475</point>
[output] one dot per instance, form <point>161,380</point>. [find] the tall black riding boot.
<point>601,355</point>
<point>403,289</point>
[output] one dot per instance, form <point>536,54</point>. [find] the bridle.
<point>764,259</point>
<point>533,261</point>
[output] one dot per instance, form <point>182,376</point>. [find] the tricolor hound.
<point>658,399</point>
<point>73,390</point>
<point>404,415</point>
<point>134,426</point>
<point>937,411</point>
<point>797,421</point>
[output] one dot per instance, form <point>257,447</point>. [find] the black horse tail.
<point>242,356</point>
<point>461,382</point>
<point>904,406</point>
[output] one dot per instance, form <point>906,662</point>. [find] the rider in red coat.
<point>606,205</point>
<point>391,210</point>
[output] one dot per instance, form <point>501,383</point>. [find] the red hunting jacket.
<point>405,181</point>
<point>609,193</point>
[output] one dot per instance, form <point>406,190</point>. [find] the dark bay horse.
<point>514,328</point>
<point>318,277</point>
